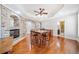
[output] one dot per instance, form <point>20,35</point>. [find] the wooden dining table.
<point>40,38</point>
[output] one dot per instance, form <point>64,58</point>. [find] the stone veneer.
<point>5,24</point>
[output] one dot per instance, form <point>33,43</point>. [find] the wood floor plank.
<point>67,46</point>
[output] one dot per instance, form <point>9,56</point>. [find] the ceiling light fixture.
<point>41,11</point>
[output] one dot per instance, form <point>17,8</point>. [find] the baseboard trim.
<point>18,40</point>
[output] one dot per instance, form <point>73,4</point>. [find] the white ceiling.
<point>54,10</point>
<point>67,9</point>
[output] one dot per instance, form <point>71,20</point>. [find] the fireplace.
<point>14,32</point>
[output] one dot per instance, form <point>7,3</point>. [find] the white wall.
<point>0,21</point>
<point>70,25</point>
<point>0,26</point>
<point>78,24</point>
<point>51,25</point>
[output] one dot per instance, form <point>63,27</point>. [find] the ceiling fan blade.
<point>36,11</point>
<point>42,10</point>
<point>45,13</point>
<point>36,14</point>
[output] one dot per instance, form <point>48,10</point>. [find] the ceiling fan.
<point>41,12</point>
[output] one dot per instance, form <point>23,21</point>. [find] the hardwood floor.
<point>67,46</point>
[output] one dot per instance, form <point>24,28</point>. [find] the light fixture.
<point>40,11</point>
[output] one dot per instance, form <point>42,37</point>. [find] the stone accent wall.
<point>22,24</point>
<point>6,24</point>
